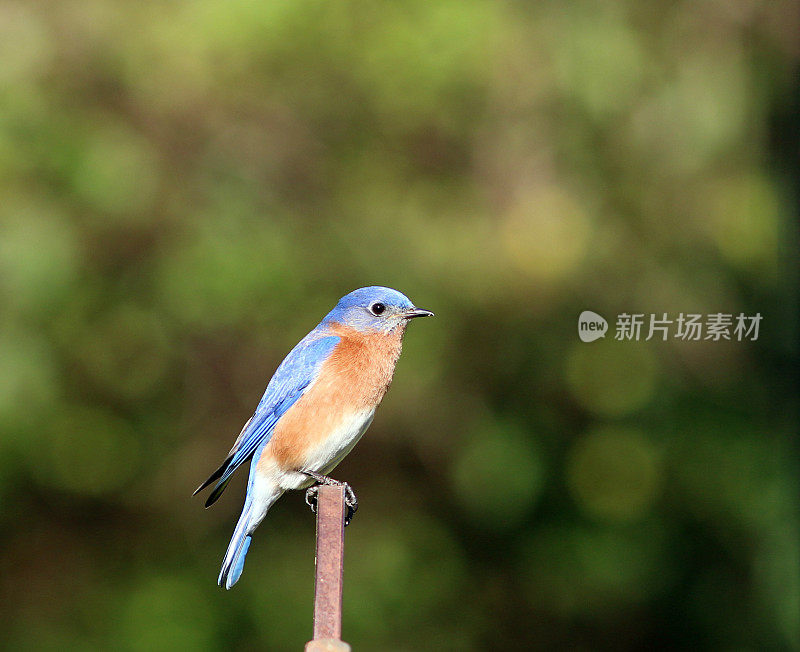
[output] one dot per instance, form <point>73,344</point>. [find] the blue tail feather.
<point>238,565</point>
<point>255,507</point>
<point>237,551</point>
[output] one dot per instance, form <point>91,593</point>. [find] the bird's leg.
<point>349,495</point>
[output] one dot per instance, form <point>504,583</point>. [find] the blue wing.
<point>294,374</point>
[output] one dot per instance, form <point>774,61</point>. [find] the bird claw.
<point>311,497</point>
<point>350,500</point>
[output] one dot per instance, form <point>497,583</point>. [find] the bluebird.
<point>315,409</point>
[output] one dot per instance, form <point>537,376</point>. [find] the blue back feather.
<point>295,373</point>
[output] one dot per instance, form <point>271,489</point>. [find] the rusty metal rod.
<point>329,566</point>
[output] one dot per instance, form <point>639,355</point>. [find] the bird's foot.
<point>311,497</point>
<point>350,500</point>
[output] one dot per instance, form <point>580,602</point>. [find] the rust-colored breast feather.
<point>353,379</point>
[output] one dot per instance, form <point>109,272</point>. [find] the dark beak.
<point>417,312</point>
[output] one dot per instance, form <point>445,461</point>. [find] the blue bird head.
<point>374,308</point>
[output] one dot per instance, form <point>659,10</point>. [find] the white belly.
<point>330,450</point>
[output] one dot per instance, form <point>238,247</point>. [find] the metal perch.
<point>329,571</point>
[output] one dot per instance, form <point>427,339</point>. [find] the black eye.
<point>377,308</point>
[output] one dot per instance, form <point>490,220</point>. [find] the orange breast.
<point>354,378</point>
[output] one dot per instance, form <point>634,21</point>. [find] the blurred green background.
<point>186,188</point>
